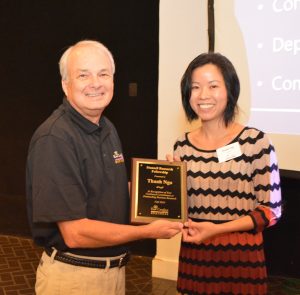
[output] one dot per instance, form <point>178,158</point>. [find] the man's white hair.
<point>63,62</point>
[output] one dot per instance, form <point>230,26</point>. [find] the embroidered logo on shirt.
<point>118,157</point>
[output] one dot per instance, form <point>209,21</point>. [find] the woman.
<point>233,186</point>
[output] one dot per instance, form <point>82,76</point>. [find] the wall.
<point>282,242</point>
<point>33,36</point>
<point>183,35</point>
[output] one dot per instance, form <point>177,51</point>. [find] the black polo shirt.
<point>75,169</point>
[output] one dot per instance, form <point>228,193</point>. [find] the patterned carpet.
<point>19,258</point>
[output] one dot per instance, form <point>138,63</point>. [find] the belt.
<point>78,261</point>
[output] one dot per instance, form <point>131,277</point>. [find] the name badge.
<point>229,152</point>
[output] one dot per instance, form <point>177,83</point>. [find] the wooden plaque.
<point>158,191</point>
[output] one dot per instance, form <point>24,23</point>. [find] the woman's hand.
<point>172,158</point>
<point>197,232</point>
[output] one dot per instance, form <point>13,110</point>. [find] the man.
<point>76,183</point>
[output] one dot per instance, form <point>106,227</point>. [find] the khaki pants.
<point>57,278</point>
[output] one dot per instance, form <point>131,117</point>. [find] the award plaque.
<point>158,191</point>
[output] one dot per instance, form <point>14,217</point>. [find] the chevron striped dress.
<point>231,263</point>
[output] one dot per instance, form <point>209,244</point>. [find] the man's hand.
<point>164,229</point>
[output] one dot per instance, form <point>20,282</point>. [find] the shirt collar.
<point>83,123</point>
